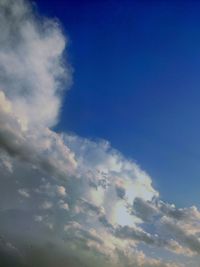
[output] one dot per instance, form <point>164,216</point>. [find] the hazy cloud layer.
<point>66,200</point>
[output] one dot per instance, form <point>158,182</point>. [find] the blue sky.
<point>136,83</point>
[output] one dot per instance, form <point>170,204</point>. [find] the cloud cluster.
<point>31,63</point>
<point>68,196</point>
<point>31,74</point>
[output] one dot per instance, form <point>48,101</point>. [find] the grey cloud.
<point>189,240</point>
<point>75,231</point>
<point>10,255</point>
<point>99,212</point>
<point>148,209</point>
<point>144,209</point>
<point>43,148</point>
<point>121,192</point>
<point>139,259</point>
<point>181,224</point>
<point>131,233</point>
<point>105,222</point>
<point>91,207</point>
<point>172,211</point>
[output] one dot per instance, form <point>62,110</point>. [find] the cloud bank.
<point>79,200</point>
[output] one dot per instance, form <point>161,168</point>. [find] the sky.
<point>136,83</point>
<point>99,133</point>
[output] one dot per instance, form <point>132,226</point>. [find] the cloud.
<point>181,233</point>
<point>87,202</point>
<point>146,210</point>
<point>31,74</point>
<point>51,190</point>
<point>46,205</point>
<point>31,63</point>
<point>133,233</point>
<point>61,191</point>
<point>120,190</point>
<point>23,192</point>
<point>183,224</point>
<point>9,254</point>
<point>63,205</point>
<point>5,162</point>
<point>42,148</point>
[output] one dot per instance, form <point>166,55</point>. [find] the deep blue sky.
<point>137,84</point>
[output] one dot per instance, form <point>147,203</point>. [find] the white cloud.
<point>38,218</point>
<point>175,247</point>
<point>63,205</point>
<point>61,191</point>
<point>23,192</point>
<point>6,162</point>
<point>31,63</point>
<point>46,205</point>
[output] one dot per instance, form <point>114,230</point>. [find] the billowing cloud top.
<point>77,199</point>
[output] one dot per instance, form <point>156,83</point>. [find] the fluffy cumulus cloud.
<point>67,200</point>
